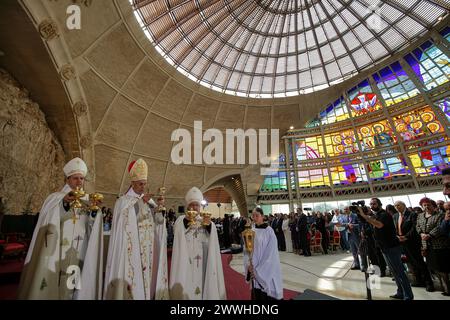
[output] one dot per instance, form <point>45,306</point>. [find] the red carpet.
<point>9,278</point>
<point>237,288</point>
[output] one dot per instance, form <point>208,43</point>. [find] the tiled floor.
<point>331,275</point>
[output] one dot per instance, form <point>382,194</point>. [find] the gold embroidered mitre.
<point>138,170</point>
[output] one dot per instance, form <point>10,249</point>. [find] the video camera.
<point>354,207</point>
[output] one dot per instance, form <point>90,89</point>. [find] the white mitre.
<point>75,166</point>
<point>194,195</point>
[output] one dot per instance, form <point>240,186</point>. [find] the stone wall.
<point>31,158</point>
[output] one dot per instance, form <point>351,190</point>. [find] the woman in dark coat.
<point>435,244</point>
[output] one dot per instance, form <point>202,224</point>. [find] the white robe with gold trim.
<point>131,258</point>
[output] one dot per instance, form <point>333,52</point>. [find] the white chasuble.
<point>130,263</point>
<point>196,271</point>
<point>62,244</point>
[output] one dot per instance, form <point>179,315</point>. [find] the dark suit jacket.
<point>274,224</point>
<point>302,223</point>
<point>408,225</point>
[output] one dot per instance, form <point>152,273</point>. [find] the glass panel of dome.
<point>376,135</point>
<point>309,148</point>
<point>346,64</point>
<point>428,11</point>
<point>332,70</point>
<point>392,38</point>
<point>362,57</point>
<point>341,143</point>
<point>376,49</point>
<point>410,26</point>
<point>416,124</point>
<point>248,26</point>
<point>444,104</point>
<point>430,162</point>
<point>394,84</point>
<point>363,100</point>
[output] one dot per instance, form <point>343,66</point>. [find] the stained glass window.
<point>313,178</point>
<point>394,84</point>
<point>341,143</point>
<point>430,162</point>
<point>337,111</point>
<point>377,135</point>
<point>430,64</point>
<point>446,33</point>
<point>275,182</point>
<point>417,124</point>
<point>309,148</point>
<point>387,167</point>
<point>348,174</point>
<point>444,104</point>
<point>362,99</point>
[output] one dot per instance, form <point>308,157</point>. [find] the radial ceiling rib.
<point>270,48</point>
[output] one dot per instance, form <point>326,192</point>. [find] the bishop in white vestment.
<point>64,260</point>
<point>136,267</point>
<point>196,270</point>
<point>264,272</point>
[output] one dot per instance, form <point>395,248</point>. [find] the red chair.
<point>13,246</point>
<point>316,242</point>
<point>336,243</point>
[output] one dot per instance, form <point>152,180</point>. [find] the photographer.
<point>386,237</point>
<point>353,233</point>
<point>368,249</point>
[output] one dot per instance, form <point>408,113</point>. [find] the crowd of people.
<point>398,238</point>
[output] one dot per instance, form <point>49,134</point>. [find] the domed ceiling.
<point>272,48</point>
<point>134,100</point>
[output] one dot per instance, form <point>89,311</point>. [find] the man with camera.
<point>368,249</point>
<point>353,233</point>
<point>386,238</point>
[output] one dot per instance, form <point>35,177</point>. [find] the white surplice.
<point>266,263</point>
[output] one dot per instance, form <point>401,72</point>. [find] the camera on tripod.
<point>354,207</point>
